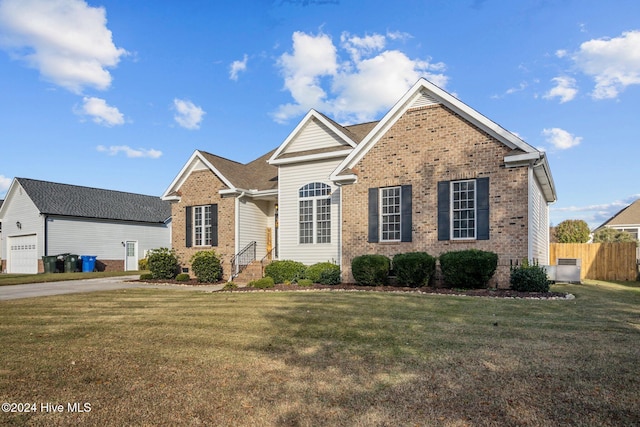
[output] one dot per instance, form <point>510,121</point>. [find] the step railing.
<point>242,259</point>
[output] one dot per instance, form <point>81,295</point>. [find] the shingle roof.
<point>627,216</point>
<point>72,200</point>
<point>255,175</point>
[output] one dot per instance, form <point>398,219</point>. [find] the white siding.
<point>538,223</point>
<point>20,208</point>
<point>254,218</point>
<point>291,178</point>
<point>103,239</point>
<point>314,135</point>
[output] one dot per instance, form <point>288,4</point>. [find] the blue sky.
<point>118,94</point>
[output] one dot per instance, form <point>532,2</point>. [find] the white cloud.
<point>561,53</point>
<point>4,183</point>
<point>67,41</point>
<point>367,79</point>
<point>614,63</point>
<point>188,115</point>
<point>237,67</point>
<point>565,89</point>
<point>596,215</point>
<point>560,138</point>
<point>100,112</point>
<point>129,152</point>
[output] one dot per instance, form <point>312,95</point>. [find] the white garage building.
<point>40,218</point>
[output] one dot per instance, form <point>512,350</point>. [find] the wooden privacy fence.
<point>599,261</point>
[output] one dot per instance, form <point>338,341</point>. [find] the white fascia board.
<point>308,117</point>
<point>345,179</point>
<point>8,197</point>
<point>186,171</point>
<point>311,157</point>
<point>520,159</point>
<point>255,194</point>
<point>543,175</point>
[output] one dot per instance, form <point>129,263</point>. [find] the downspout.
<point>46,235</point>
<point>339,226</point>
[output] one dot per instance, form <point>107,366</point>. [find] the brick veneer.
<point>424,146</point>
<point>202,188</point>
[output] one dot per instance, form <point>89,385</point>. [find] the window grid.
<point>202,225</point>
<point>315,213</point>
<point>390,214</point>
<point>463,209</point>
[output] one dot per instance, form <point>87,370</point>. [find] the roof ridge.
<point>84,186</point>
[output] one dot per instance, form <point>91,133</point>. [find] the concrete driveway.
<point>90,285</point>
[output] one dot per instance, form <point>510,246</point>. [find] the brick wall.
<point>201,188</point>
<point>428,145</point>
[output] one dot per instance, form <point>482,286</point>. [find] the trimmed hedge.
<point>414,269</point>
<point>264,283</point>
<point>471,268</point>
<point>326,273</point>
<point>206,266</point>
<point>370,270</point>
<point>183,277</point>
<point>163,263</point>
<point>285,270</point>
<point>529,278</point>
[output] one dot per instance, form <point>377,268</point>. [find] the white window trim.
<point>314,214</point>
<point>381,214</point>
<point>475,210</point>
<point>204,226</point>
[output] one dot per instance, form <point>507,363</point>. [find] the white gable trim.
<point>311,115</point>
<point>434,93</point>
<point>311,157</point>
<point>187,169</point>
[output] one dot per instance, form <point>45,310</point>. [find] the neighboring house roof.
<point>255,176</point>
<point>72,200</point>
<point>629,215</point>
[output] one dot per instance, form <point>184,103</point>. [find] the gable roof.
<point>255,176</point>
<point>425,93</point>
<point>53,198</point>
<point>629,215</point>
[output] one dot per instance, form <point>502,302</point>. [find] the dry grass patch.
<point>159,357</point>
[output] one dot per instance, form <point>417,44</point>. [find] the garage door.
<point>23,256</point>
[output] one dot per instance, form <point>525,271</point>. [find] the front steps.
<point>253,271</point>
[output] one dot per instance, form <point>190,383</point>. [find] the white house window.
<point>463,209</point>
<point>315,213</point>
<point>202,225</point>
<point>632,231</point>
<point>390,218</point>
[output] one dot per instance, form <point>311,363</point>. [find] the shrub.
<point>229,285</point>
<point>414,268</point>
<point>281,271</point>
<point>572,231</point>
<point>471,268</point>
<point>370,270</point>
<point>305,282</point>
<point>314,273</point>
<point>264,283</point>
<point>611,235</point>
<point>331,276</point>
<point>529,278</point>
<point>163,263</point>
<point>146,276</point>
<point>143,264</point>
<point>183,277</point>
<point>206,266</point>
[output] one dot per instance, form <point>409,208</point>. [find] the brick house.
<point>432,175</point>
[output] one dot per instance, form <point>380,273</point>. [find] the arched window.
<point>315,213</point>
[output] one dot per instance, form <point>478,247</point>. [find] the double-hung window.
<point>390,219</point>
<point>201,225</point>
<point>315,213</point>
<point>390,214</point>
<point>463,209</point>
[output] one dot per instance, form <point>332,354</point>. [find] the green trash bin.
<point>71,263</point>
<point>49,263</point>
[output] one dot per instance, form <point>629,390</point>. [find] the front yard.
<point>160,357</point>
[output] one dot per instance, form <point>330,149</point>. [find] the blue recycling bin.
<point>88,263</point>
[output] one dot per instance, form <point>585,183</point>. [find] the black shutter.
<point>189,228</point>
<point>443,211</point>
<point>373,216</point>
<point>406,214</point>
<point>482,209</point>
<point>213,211</point>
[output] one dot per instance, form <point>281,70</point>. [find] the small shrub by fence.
<point>599,261</point>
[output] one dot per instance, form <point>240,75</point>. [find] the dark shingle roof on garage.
<point>72,200</point>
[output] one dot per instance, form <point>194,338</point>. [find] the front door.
<point>131,256</point>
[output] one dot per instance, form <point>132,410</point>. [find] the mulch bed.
<point>491,293</point>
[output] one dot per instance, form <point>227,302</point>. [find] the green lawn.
<point>161,357</point>
<point>21,279</point>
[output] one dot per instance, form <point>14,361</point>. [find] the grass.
<point>21,279</point>
<point>159,357</point>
